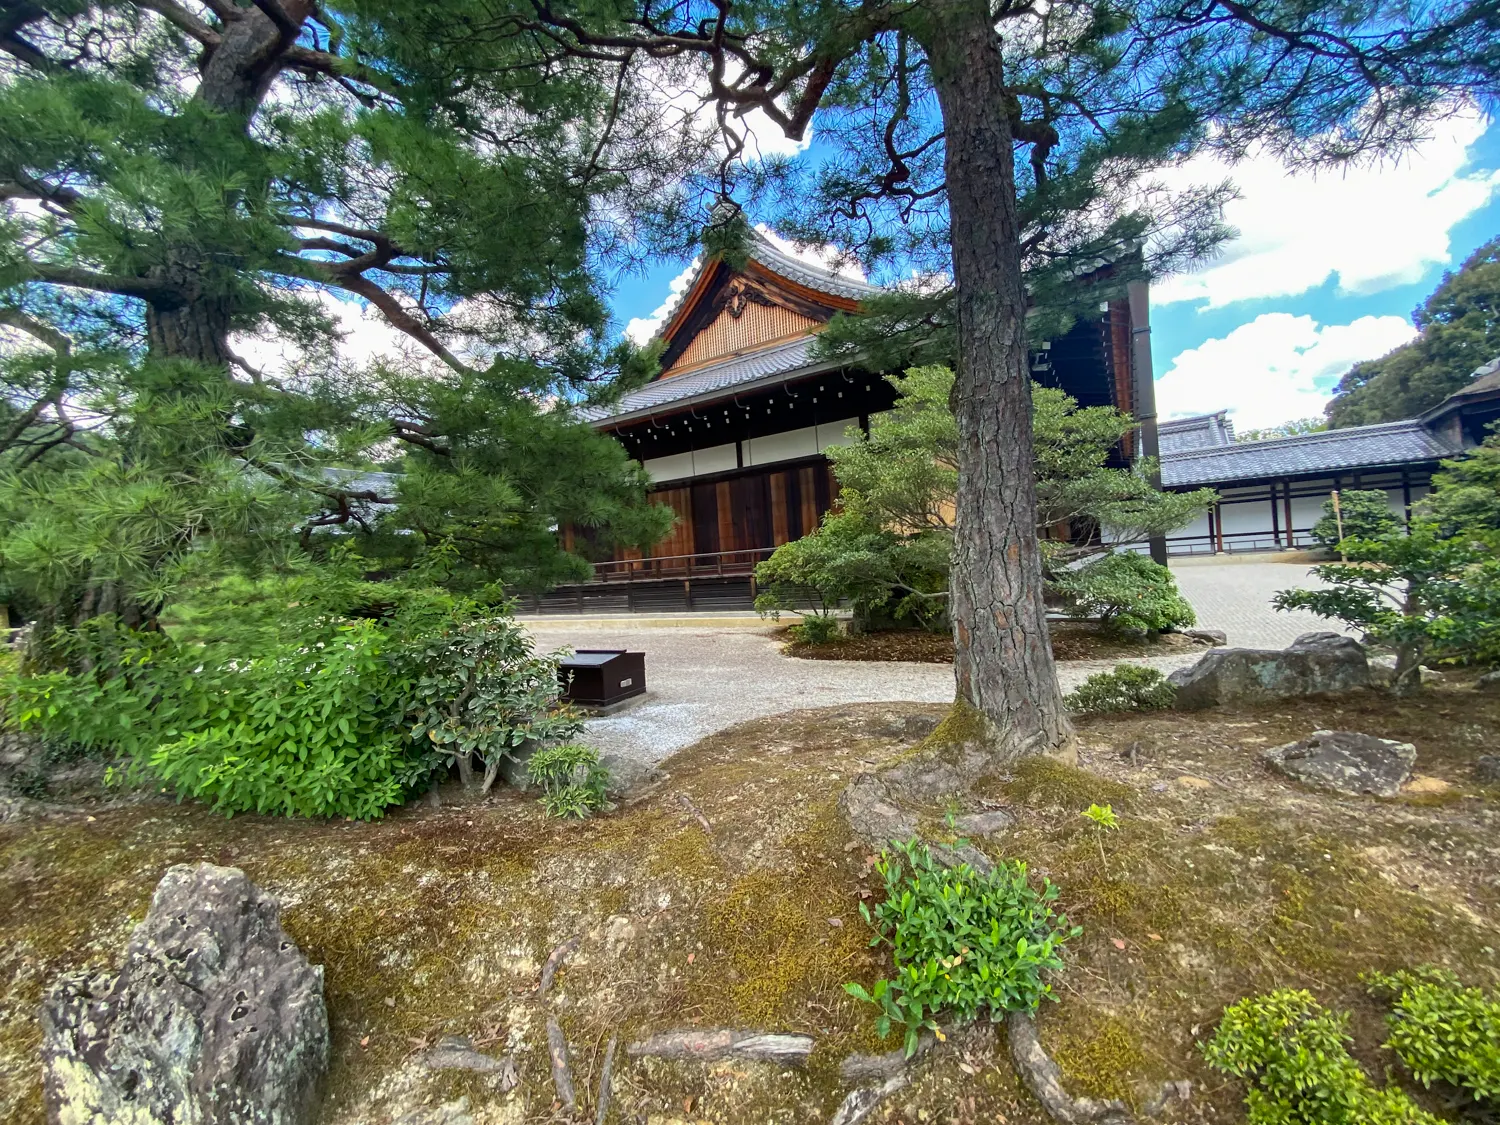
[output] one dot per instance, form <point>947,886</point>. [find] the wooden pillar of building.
<point>1143,388</point>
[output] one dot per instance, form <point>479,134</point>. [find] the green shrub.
<point>963,942</point>
<point>1129,687</point>
<point>1428,597</point>
<point>303,729</point>
<point>883,576</point>
<point>315,713</point>
<point>1294,1054</point>
<point>572,780</point>
<point>479,691</point>
<point>1443,1031</point>
<point>1127,593</point>
<point>816,629</point>
<point>1366,514</point>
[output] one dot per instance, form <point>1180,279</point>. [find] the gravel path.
<point>703,679</point>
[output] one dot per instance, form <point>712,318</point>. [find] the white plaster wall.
<point>675,467</point>
<point>834,433</point>
<point>715,459</point>
<point>782,447</point>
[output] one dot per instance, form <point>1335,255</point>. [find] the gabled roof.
<point>1197,432</point>
<point>726,312</point>
<point>767,254</point>
<point>1358,447</point>
<point>764,366</point>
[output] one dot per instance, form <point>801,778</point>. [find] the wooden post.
<point>1143,388</point>
<point>1338,521</point>
<point>1286,495</point>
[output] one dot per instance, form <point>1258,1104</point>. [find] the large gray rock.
<point>1346,762</point>
<point>1314,664</point>
<point>215,1016</point>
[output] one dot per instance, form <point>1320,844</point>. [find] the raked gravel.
<point>702,679</point>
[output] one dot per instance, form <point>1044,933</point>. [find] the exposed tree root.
<point>788,1050</point>
<point>553,963</point>
<point>1044,1079</point>
<point>562,1075</point>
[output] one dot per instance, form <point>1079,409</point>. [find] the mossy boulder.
<point>215,1015</point>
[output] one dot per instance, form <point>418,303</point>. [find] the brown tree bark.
<point>1004,661</point>
<point>236,73</point>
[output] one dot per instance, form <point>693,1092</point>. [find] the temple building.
<point>734,431</point>
<point>1272,492</point>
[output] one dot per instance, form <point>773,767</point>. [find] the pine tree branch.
<point>145,288</point>
<point>13,18</point>
<point>183,20</point>
<point>52,396</point>
<point>396,316</point>
<point>25,187</point>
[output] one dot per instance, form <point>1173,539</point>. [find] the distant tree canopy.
<point>180,179</point>
<point>1460,331</point>
<point>1284,429</point>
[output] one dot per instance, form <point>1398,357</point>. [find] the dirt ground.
<point>1222,880</point>
<point>1071,640</point>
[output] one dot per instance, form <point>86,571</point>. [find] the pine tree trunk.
<point>1004,662</point>
<point>235,78</point>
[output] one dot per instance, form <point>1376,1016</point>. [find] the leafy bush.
<point>1430,598</point>
<point>319,704</point>
<point>881,574</point>
<point>963,942</point>
<point>815,629</point>
<point>1128,687</point>
<point>1127,592</point>
<point>1366,514</point>
<point>572,780</point>
<point>1294,1053</point>
<point>305,729</point>
<point>479,692</point>
<point>1465,495</point>
<point>1443,1031</point>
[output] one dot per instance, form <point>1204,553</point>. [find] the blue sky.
<point>1325,273</point>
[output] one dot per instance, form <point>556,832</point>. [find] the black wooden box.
<point>597,677</point>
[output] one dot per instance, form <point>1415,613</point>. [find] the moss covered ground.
<point>1221,880</point>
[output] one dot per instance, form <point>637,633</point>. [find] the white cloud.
<point>642,328</point>
<point>363,335</point>
<point>1373,227</point>
<point>1275,368</point>
<point>823,256</point>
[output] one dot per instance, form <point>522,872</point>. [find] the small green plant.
<point>480,691</point>
<point>573,782</point>
<point>1442,1031</point>
<point>1128,687</point>
<point>1104,820</point>
<point>963,942</point>
<point>816,629</point>
<point>1428,597</point>
<point>1295,1055</point>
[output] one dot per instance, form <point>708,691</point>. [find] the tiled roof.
<point>768,254</point>
<point>764,251</point>
<point>1198,432</point>
<point>738,371</point>
<point>1359,447</point>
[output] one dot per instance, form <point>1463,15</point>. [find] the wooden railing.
<point>711,564</point>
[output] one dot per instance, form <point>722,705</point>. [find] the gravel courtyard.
<point>703,678</point>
